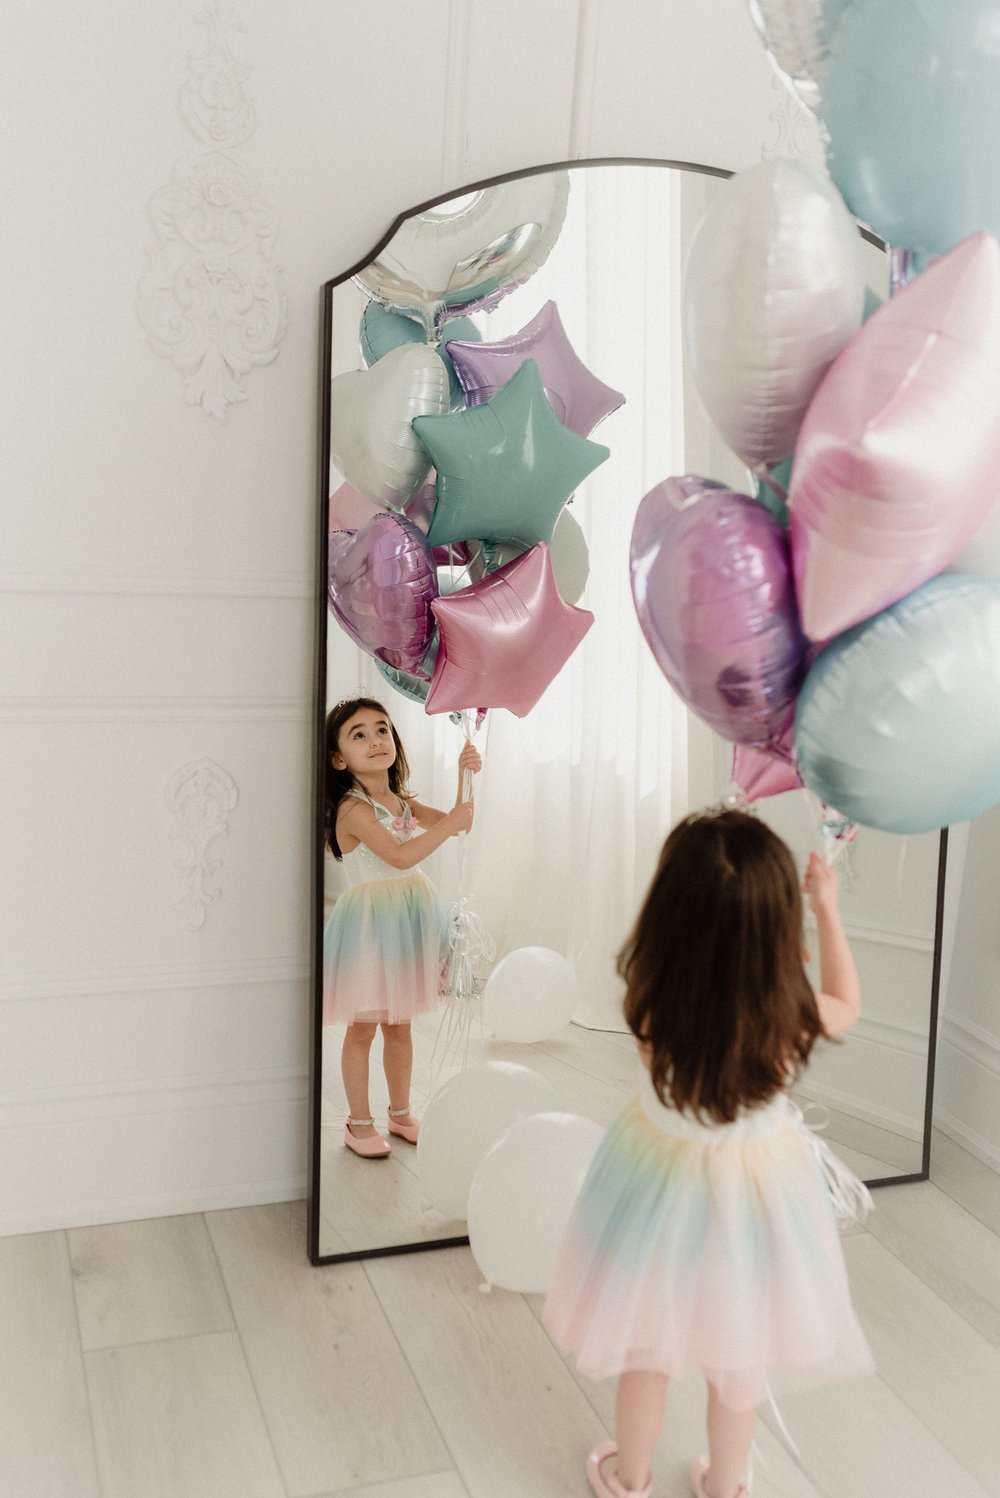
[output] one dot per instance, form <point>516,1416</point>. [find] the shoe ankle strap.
<point>361,1122</point>
<point>399,1112</point>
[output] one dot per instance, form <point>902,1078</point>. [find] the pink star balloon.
<point>898,459</point>
<point>503,640</point>
<point>578,397</point>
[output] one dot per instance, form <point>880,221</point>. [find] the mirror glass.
<point>575,798</point>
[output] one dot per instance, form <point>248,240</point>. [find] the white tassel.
<point>852,1201</point>
<point>468,940</point>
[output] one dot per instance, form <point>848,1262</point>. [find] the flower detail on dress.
<point>404,824</point>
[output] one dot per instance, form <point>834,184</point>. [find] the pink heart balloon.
<point>504,639</point>
<point>898,458</point>
<point>711,580</point>
<point>350,509</point>
<point>381,583</point>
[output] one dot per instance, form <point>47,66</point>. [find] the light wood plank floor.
<point>202,1357</point>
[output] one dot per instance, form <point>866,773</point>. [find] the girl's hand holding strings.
<point>460,817</point>
<point>820,886</point>
<point>469,760</point>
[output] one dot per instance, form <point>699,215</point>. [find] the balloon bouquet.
<point>459,456</point>
<point>842,626</point>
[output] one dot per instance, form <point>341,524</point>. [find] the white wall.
<point>158,563</point>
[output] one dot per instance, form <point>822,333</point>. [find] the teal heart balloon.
<point>898,722</point>
<point>505,468</point>
<point>910,101</point>
<point>382,330</point>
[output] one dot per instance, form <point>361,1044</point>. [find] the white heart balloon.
<point>372,441</point>
<point>775,288</point>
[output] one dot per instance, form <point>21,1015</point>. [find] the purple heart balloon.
<point>380,584</point>
<point>711,580</point>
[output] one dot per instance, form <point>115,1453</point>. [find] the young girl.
<point>385,944</point>
<point>705,1235</point>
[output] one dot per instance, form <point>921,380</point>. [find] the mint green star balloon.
<point>505,468</point>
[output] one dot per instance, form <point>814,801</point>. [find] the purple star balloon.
<point>578,397</point>
<point>381,584</point>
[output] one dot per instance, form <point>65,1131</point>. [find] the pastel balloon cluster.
<point>452,559</point>
<point>840,652</point>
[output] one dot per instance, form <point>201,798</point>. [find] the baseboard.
<point>845,1102</point>
<point>983,1149</point>
<point>166,1204</point>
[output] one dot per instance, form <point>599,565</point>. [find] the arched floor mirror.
<point>575,798</point>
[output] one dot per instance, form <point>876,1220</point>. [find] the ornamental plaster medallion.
<point>209,299</point>
<point>796,132</point>
<point>200,797</point>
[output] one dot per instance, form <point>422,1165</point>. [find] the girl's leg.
<point>638,1417</point>
<point>354,1070</point>
<point>397,1059</point>
<point>729,1435</point>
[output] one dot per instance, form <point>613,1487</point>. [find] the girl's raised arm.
<point>839,1001</point>
<point>359,821</point>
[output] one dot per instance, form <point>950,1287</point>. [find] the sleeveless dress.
<point>385,943</point>
<point>711,1247</point>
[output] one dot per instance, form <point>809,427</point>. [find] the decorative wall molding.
<point>133,584</point>
<point>210,300</point>
<point>907,1039</point>
<point>793,127</point>
<point>847,1102</point>
<point>42,1105</point>
<point>200,796</point>
<point>584,78</point>
<point>98,709</point>
<point>972,1041</point>
<point>153,977</point>
<point>454,141</point>
<point>885,936</point>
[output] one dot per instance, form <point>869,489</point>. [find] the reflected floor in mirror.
<point>380,1202</point>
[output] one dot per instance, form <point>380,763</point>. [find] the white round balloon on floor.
<point>530,995</point>
<point>522,1193</point>
<point>463,1119</point>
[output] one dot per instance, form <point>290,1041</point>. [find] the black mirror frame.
<point>316,1257</point>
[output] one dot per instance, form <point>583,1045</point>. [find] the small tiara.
<point>735,799</point>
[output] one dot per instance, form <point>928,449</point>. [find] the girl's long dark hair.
<point>339,782</point>
<point>713,969</point>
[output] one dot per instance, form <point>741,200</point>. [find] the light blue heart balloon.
<point>382,330</point>
<point>898,721</point>
<point>910,98</point>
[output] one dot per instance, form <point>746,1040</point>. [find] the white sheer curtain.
<point>575,799</point>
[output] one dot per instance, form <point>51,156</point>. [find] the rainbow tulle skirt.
<point>385,951</point>
<point>707,1248</point>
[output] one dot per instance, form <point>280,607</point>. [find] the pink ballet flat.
<point>372,1148</point>
<point>410,1132</point>
<point>699,1467</point>
<point>608,1484</point>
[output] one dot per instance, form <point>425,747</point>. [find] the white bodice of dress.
<point>752,1123</point>
<point>361,865</point>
